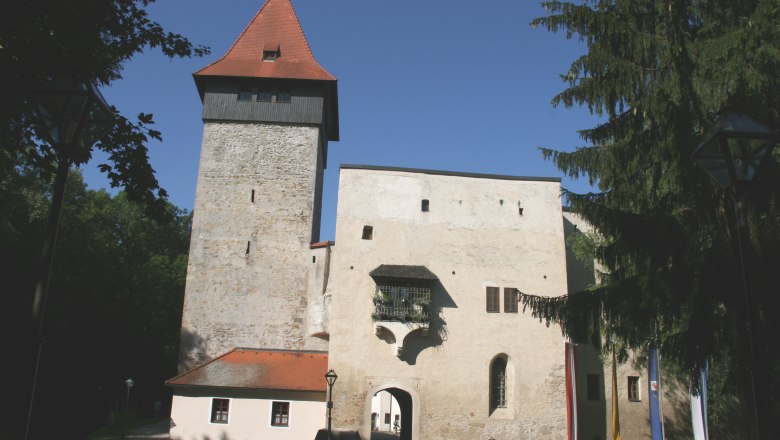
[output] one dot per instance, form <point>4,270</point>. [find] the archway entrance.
<point>391,415</point>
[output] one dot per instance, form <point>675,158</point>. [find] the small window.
<point>280,414</point>
<point>264,95</point>
<point>593,387</point>
<point>425,205</point>
<point>270,55</point>
<point>633,388</point>
<point>387,418</point>
<point>368,232</point>
<point>498,384</point>
<point>219,410</point>
<point>283,95</point>
<point>510,300</point>
<point>492,300</point>
<point>245,94</point>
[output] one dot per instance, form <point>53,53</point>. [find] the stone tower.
<point>269,110</point>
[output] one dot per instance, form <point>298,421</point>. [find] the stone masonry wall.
<point>246,276</point>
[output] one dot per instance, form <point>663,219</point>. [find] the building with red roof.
<point>418,302</point>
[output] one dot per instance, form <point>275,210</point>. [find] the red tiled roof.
<point>274,26</point>
<point>260,369</point>
<point>321,244</point>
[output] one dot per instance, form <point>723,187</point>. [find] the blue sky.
<point>458,85</point>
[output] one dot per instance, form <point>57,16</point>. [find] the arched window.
<point>498,384</point>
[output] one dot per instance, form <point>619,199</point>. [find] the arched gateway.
<point>408,403</point>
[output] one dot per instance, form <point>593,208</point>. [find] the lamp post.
<point>129,384</point>
<point>73,115</point>
<point>331,377</point>
<point>732,153</point>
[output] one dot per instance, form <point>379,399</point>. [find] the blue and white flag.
<point>699,406</point>
<point>654,391</point>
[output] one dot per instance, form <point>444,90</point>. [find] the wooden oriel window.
<point>510,300</point>
<point>280,414</point>
<point>219,410</point>
<point>492,300</point>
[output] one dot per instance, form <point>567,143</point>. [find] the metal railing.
<point>402,303</point>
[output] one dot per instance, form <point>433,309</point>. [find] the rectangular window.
<point>245,94</point>
<point>425,205</point>
<point>280,413</point>
<point>492,300</point>
<point>368,232</point>
<point>264,95</point>
<point>387,418</point>
<point>283,95</point>
<point>219,410</point>
<point>593,387</point>
<point>510,300</point>
<point>633,388</point>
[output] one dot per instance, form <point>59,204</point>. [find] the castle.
<point>417,297</point>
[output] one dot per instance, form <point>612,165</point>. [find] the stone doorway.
<point>391,415</point>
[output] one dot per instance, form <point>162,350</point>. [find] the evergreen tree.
<point>657,72</point>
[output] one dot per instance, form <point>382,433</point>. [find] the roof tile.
<point>274,25</point>
<point>260,369</point>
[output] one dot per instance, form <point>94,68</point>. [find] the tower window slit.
<point>253,196</point>
<point>247,247</point>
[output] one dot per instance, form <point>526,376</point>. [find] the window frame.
<point>498,383</point>
<point>492,297</point>
<point>510,300</point>
<point>283,92</point>
<point>282,404</point>
<point>635,395</point>
<point>265,93</point>
<point>212,413</point>
<point>245,94</point>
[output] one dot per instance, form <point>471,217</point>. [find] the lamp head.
<point>733,150</point>
<point>331,377</point>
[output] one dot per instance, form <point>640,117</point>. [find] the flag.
<point>615,414</point>
<point>699,405</point>
<point>571,391</point>
<point>654,393</point>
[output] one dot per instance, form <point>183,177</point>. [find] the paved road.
<point>154,431</point>
<point>376,435</point>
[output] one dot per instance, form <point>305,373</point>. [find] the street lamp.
<point>732,153</point>
<point>73,115</point>
<point>733,150</point>
<point>129,384</point>
<point>331,377</point>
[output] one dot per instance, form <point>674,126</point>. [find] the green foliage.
<point>89,39</point>
<point>114,305</point>
<point>657,71</point>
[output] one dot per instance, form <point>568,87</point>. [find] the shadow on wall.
<point>192,351</point>
<point>416,342</point>
<point>580,272</point>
